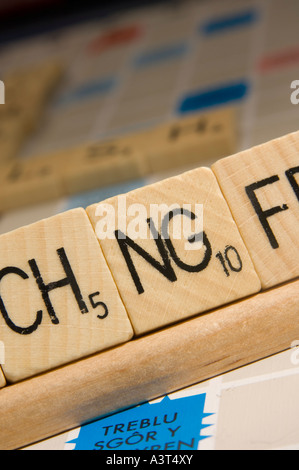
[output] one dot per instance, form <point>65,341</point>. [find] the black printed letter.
<point>68,280</point>
<point>17,329</point>
<point>290,175</point>
<point>264,215</point>
<point>165,268</point>
<point>186,267</point>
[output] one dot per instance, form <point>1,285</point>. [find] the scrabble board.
<point>220,70</point>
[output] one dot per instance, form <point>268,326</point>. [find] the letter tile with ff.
<point>168,264</point>
<point>58,300</point>
<point>261,186</point>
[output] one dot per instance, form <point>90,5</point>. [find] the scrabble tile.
<point>13,130</point>
<point>12,135</point>
<point>30,181</point>
<point>261,186</point>
<point>192,139</point>
<point>58,299</point>
<point>28,89</point>
<point>165,274</point>
<point>19,113</point>
<point>26,93</point>
<point>34,82</point>
<point>102,163</point>
<point>2,379</point>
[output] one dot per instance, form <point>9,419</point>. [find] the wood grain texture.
<point>101,164</point>
<point>261,186</point>
<point>27,90</point>
<point>32,84</point>
<point>164,362</point>
<point>2,379</point>
<point>28,181</point>
<point>12,134</point>
<point>191,140</point>
<point>176,144</point>
<point>26,93</point>
<point>172,278</point>
<point>58,299</point>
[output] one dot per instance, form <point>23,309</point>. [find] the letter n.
<point>164,268</point>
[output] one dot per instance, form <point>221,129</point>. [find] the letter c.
<point>17,329</point>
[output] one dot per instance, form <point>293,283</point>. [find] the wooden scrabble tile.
<point>2,379</point>
<point>16,122</point>
<point>21,114</point>
<point>190,140</point>
<point>102,163</point>
<point>28,89</point>
<point>47,75</point>
<point>26,93</point>
<point>30,181</point>
<point>261,186</point>
<point>58,299</point>
<point>32,83</point>
<point>166,265</point>
<point>12,134</point>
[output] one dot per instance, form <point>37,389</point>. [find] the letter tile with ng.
<point>160,280</point>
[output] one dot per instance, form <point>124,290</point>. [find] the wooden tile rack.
<point>55,273</point>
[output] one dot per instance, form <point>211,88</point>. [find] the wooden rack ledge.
<point>149,367</point>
